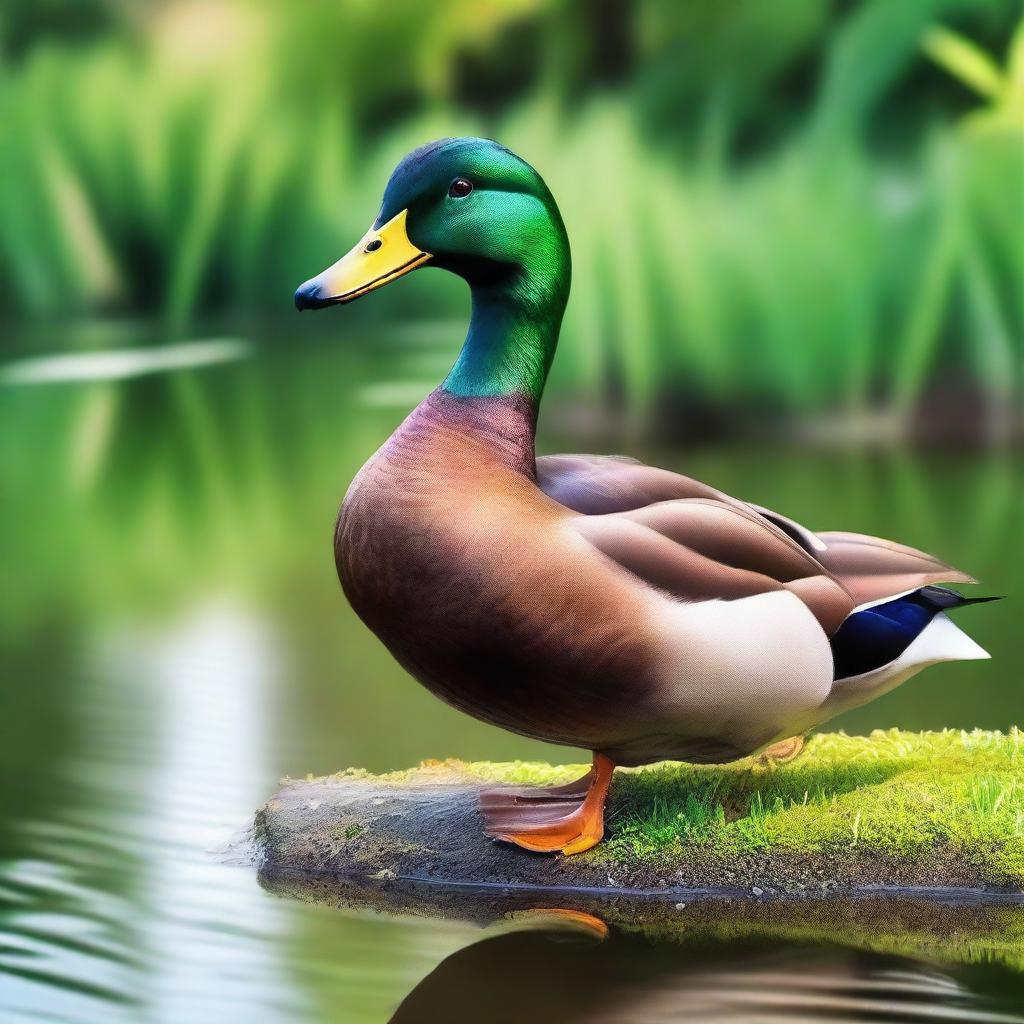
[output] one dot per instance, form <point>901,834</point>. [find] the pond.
<point>175,641</point>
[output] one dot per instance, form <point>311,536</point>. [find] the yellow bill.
<point>382,255</point>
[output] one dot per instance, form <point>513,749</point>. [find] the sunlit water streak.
<point>207,928</point>
<point>121,364</point>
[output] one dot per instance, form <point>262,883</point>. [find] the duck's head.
<point>467,205</point>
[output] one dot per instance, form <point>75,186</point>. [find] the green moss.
<point>345,832</point>
<point>895,794</point>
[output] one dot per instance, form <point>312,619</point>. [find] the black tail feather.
<point>941,598</point>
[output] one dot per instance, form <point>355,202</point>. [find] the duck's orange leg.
<point>784,751</point>
<point>569,818</point>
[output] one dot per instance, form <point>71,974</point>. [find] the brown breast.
<point>450,553</point>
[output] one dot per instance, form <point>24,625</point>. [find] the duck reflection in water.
<point>566,966</point>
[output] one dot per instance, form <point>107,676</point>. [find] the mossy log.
<point>912,812</point>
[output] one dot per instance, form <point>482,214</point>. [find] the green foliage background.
<point>810,206</point>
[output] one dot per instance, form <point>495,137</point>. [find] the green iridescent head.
<point>474,208</point>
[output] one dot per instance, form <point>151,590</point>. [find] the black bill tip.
<point>309,296</point>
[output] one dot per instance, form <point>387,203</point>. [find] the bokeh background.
<point>798,245</point>
<point>809,208</point>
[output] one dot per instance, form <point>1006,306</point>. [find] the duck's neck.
<point>513,332</point>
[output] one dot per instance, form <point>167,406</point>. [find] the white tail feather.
<point>942,640</point>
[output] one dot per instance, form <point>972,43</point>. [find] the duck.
<point>591,601</point>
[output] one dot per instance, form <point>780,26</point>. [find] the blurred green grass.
<point>807,213</point>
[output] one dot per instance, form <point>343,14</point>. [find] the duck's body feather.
<point>596,601</point>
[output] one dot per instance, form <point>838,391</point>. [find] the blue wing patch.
<point>876,636</point>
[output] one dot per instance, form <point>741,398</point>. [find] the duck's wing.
<point>780,552</point>
<point>597,484</point>
<point>703,549</point>
<point>872,568</point>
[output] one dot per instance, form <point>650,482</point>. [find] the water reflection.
<point>589,954</point>
<point>62,953</point>
<point>72,859</point>
<point>550,973</point>
<point>180,719</point>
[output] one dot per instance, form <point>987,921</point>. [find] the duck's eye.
<point>460,188</point>
<point>373,245</point>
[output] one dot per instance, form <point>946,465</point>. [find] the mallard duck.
<point>591,600</point>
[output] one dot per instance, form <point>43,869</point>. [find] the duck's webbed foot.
<point>783,752</point>
<point>567,818</point>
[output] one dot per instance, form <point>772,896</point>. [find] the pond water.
<point>174,641</point>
